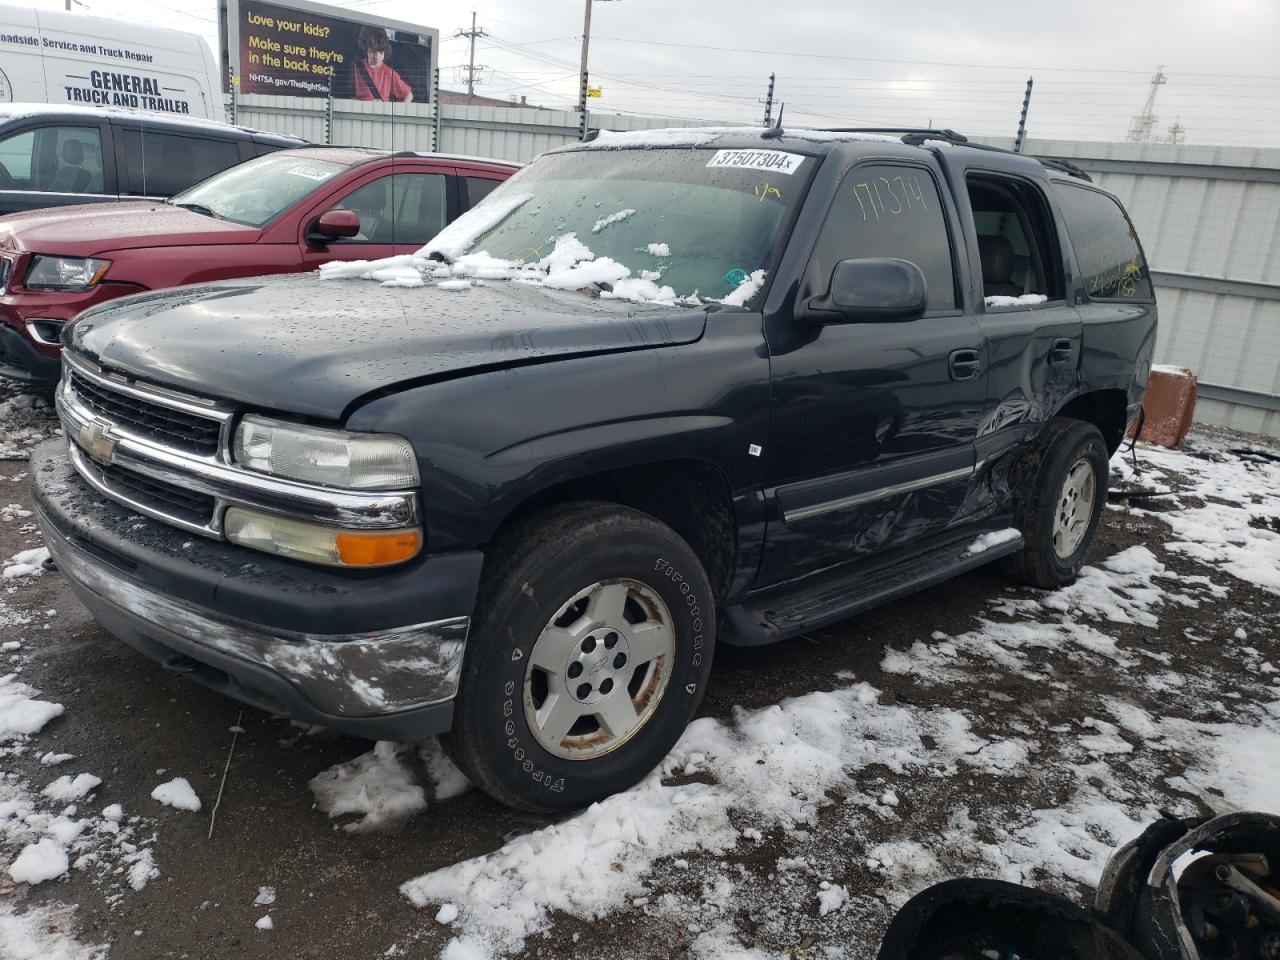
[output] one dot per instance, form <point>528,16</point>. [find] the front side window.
<point>52,160</point>
<point>402,208</point>
<point>1111,261</point>
<point>161,164</point>
<point>888,210</point>
<point>259,190</point>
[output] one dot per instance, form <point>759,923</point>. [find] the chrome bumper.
<point>347,675</point>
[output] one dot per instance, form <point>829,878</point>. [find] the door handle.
<point>964,364</point>
<point>1061,351</point>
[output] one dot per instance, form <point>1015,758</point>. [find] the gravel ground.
<point>975,729</point>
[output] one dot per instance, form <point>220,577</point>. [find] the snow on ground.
<point>42,933</point>
<point>379,787</point>
<point>177,793</point>
<point>837,784</point>
<point>25,563</point>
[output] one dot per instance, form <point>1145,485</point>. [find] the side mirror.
<point>333,225</point>
<point>872,290</point>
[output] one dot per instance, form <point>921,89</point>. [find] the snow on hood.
<point>571,265</point>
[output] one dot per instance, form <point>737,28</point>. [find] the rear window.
<point>1111,261</point>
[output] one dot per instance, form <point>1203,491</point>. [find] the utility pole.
<point>471,68</point>
<point>768,103</point>
<point>586,42</point>
<point>1022,120</point>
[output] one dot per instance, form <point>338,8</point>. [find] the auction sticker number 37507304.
<point>774,161</point>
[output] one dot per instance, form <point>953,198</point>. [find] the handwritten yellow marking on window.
<point>765,190</point>
<point>908,198</point>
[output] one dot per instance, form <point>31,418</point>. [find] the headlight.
<point>331,458</point>
<point>64,273</point>
<point>318,543</point>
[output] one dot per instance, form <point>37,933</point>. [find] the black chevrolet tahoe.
<point>656,391</point>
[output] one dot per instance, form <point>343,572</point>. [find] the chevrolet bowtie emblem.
<point>94,441</point>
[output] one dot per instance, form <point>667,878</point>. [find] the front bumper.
<point>21,357</point>
<point>371,653</point>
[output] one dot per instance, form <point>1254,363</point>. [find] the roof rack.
<point>912,135</point>
<point>1064,166</point>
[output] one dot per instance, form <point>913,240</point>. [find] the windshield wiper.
<point>195,208</point>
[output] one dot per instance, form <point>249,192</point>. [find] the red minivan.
<point>286,212</point>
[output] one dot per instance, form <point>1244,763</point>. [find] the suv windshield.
<point>258,190</point>
<point>702,220</point>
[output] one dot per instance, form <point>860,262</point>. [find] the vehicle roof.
<point>820,143</point>
<point>462,158</point>
<point>22,111</point>
<point>354,155</point>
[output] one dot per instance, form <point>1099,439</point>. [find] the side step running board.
<point>826,598</point>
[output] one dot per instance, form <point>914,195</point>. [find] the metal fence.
<point>506,133</point>
<point>1209,218</point>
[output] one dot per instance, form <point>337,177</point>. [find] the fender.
<point>490,442</point>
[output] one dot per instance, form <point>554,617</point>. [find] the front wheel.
<point>587,658</point>
<point>1059,490</point>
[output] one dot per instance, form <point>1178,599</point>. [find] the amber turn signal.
<point>378,549</point>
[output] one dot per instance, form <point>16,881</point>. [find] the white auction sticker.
<point>775,161</point>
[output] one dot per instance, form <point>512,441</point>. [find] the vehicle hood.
<point>303,345</point>
<point>89,229</point>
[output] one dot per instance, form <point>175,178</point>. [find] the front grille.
<point>189,432</point>
<point>166,498</point>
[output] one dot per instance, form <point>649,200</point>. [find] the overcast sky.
<point>959,63</point>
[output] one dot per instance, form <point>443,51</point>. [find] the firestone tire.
<point>547,641</point>
<point>1066,465</point>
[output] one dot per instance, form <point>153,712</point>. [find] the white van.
<point>48,56</point>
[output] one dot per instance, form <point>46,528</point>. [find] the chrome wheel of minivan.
<point>599,669</point>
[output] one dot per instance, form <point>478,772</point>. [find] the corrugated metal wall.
<point>1209,218</point>
<point>514,133</point>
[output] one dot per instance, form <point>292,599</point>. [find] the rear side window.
<point>478,188</point>
<point>1106,245</point>
<point>52,160</point>
<point>886,210</point>
<point>162,164</point>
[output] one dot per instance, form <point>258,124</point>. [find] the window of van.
<point>52,160</point>
<point>162,164</point>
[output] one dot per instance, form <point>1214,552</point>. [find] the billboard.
<point>302,49</point>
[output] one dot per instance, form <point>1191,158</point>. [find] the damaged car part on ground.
<point>763,446</point>
<point>1197,888</point>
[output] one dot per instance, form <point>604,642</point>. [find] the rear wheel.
<point>1059,491</point>
<point>588,655</point>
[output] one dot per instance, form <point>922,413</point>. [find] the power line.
<point>923,63</point>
